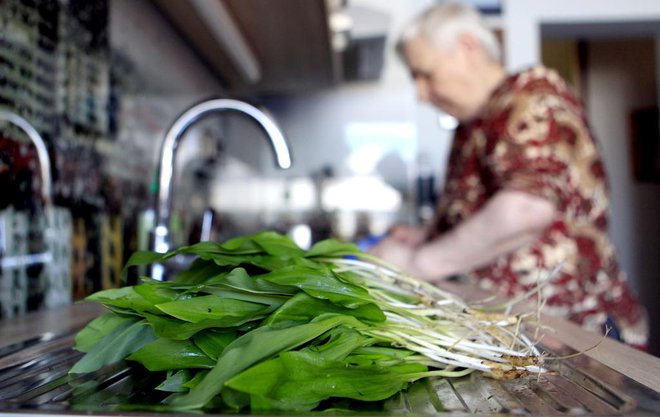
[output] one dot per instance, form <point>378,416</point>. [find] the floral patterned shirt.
<point>533,137</point>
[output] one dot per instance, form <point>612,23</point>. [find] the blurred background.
<point>102,82</point>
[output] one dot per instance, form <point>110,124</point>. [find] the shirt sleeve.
<point>531,146</point>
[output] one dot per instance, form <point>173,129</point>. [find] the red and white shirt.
<point>533,137</point>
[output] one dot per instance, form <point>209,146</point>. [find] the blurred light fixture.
<point>301,234</point>
<point>340,24</point>
<point>340,29</point>
<point>360,193</point>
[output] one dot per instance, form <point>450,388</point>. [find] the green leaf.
<point>267,242</point>
<point>277,244</point>
<point>331,248</point>
<point>422,399</point>
<point>175,380</point>
<point>242,244</point>
<point>115,346</point>
<point>165,354</point>
<point>214,248</point>
<point>196,379</point>
<point>301,380</point>
<point>200,271</point>
<point>263,261</point>
<point>156,293</point>
<point>239,279</point>
<point>252,347</point>
<point>303,308</point>
<point>236,400</point>
<point>226,261</point>
<point>140,258</point>
<point>230,260</point>
<point>266,250</point>
<point>271,263</point>
<point>181,381</point>
<point>211,307</point>
<point>98,328</point>
<point>258,243</point>
<point>176,329</point>
<point>320,282</point>
<point>271,302</point>
<point>124,298</point>
<point>214,342</point>
<point>380,354</point>
<point>342,342</point>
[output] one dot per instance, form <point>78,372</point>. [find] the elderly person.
<point>526,190</point>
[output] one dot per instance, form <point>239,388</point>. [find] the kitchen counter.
<point>47,324</point>
<point>630,373</point>
<point>561,334</point>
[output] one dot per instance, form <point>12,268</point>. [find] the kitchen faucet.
<point>173,136</point>
<point>46,189</point>
<point>42,152</point>
<point>55,279</point>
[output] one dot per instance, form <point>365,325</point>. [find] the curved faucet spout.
<point>42,151</point>
<point>172,138</point>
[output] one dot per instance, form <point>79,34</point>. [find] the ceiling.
<point>288,41</point>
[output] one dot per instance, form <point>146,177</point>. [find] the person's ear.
<point>468,42</point>
<point>472,49</point>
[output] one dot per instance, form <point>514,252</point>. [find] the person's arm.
<point>509,221</point>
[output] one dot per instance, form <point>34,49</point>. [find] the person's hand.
<point>395,252</point>
<point>410,254</point>
<point>408,235</point>
<point>403,256</point>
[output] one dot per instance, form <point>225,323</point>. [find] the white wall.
<point>522,21</point>
<point>620,78</point>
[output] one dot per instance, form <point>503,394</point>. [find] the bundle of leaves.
<point>256,323</point>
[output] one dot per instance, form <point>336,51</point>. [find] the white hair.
<point>444,23</point>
